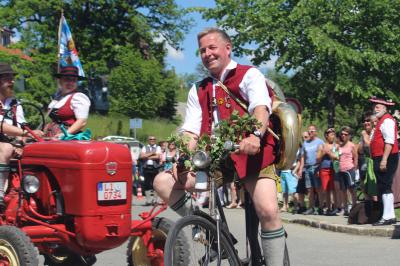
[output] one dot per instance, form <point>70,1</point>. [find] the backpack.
<point>365,212</point>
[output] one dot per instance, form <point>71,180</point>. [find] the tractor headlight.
<point>31,184</point>
<point>201,159</point>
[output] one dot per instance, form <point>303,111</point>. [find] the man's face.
<point>379,109</point>
<point>152,140</point>
<point>69,83</point>
<point>312,131</point>
<point>214,53</point>
<point>7,85</point>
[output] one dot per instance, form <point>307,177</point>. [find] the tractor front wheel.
<point>16,248</point>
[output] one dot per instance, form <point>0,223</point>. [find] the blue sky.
<point>185,61</point>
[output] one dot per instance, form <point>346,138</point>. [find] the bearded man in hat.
<point>9,125</point>
<point>384,152</point>
<point>68,107</point>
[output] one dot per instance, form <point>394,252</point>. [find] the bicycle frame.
<point>251,220</point>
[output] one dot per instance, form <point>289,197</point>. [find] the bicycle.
<point>210,240</point>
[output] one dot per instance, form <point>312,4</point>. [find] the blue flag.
<point>68,55</point>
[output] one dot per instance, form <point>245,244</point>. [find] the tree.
<point>139,87</point>
<point>341,52</point>
<point>101,30</point>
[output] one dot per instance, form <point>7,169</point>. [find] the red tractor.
<point>69,200</point>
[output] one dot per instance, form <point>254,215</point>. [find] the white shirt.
<point>252,88</point>
<point>80,104</point>
<point>19,112</point>
<point>158,151</point>
<point>387,129</point>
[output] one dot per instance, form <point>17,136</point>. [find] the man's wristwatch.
<point>257,134</point>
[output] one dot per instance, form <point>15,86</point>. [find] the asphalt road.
<point>307,246</point>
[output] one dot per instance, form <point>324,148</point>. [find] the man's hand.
<point>18,152</point>
<point>382,166</point>
<point>250,145</point>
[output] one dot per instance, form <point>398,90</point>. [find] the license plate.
<point>111,191</point>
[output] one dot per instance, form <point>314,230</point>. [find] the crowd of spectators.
<point>333,173</point>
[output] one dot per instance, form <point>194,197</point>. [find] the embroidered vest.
<point>377,145</point>
<point>245,164</point>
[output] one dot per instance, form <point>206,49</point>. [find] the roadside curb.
<point>386,231</point>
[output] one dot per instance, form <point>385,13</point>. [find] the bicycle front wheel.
<point>202,244</point>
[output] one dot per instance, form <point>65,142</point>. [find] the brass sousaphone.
<point>286,117</point>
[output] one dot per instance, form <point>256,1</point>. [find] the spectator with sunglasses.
<point>150,157</point>
<point>310,165</point>
<point>325,157</point>
<point>348,163</point>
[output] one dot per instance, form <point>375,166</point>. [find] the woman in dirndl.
<point>69,107</point>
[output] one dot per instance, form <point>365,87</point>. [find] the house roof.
<point>16,52</point>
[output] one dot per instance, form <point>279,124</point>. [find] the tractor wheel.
<point>137,250</point>
<point>16,248</point>
<point>68,259</point>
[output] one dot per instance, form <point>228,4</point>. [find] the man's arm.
<point>193,138</point>
<point>251,144</point>
<point>386,153</point>
<point>388,132</point>
<point>12,130</point>
<point>300,171</point>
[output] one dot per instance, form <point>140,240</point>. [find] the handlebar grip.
<point>230,146</point>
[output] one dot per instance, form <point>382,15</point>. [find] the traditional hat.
<point>69,71</point>
<point>6,69</point>
<point>376,100</point>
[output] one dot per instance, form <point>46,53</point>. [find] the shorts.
<point>311,177</point>
<point>346,179</point>
<point>288,182</point>
<point>327,179</point>
<point>301,186</point>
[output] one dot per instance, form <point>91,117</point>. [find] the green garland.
<point>233,129</point>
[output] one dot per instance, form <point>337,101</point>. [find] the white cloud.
<point>172,52</point>
<point>270,64</point>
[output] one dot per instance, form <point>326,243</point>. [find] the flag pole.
<point>59,40</point>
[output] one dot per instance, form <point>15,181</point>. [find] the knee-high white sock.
<point>273,245</point>
<point>183,205</point>
<point>388,206</point>
<point>4,172</point>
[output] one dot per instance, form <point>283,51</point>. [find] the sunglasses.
<point>344,134</point>
<point>312,131</point>
<point>152,139</point>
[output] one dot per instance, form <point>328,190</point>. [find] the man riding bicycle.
<point>207,104</point>
<point>9,124</point>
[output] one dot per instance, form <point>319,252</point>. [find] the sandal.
<point>232,206</point>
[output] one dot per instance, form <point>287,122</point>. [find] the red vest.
<point>377,145</point>
<point>65,114</point>
<point>245,164</point>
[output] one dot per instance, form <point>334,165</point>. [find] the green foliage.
<point>341,52</point>
<point>232,129</point>
<point>140,88</point>
<point>118,124</point>
<point>103,31</point>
